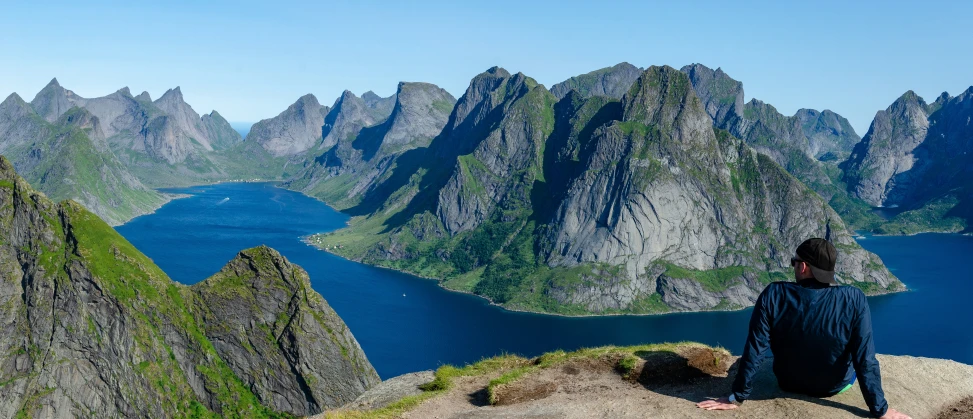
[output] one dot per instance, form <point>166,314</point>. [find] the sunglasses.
<point>795,261</point>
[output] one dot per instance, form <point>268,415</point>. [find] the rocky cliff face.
<point>19,124</point>
<point>610,82</point>
<point>163,143</point>
<point>350,114</point>
<point>661,186</point>
<point>350,167</point>
<point>593,205</point>
<point>218,130</point>
<point>787,140</point>
<point>917,157</point>
<point>721,95</point>
<point>92,328</point>
<point>827,133</point>
<point>279,336</point>
<point>69,159</point>
<point>379,107</point>
<point>293,131</point>
<point>499,149</point>
<point>887,149</point>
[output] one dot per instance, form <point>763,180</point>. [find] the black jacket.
<point>816,333</point>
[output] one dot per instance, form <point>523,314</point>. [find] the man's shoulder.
<point>846,290</point>
<point>852,292</point>
<point>775,287</point>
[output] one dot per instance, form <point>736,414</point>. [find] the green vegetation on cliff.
<point>81,299</point>
<point>572,206</point>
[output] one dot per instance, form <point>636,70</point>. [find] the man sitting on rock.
<point>819,333</point>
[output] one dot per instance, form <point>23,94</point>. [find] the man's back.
<point>810,331</point>
<point>815,332</point>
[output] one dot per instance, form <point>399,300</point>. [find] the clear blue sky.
<point>250,60</point>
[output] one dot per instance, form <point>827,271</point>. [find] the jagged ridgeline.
<point>162,142</point>
<point>66,156</point>
<point>916,159</point>
<point>590,204</point>
<point>362,140</point>
<point>92,328</point>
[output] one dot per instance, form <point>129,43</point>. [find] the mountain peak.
<point>498,71</point>
<point>125,91</point>
<point>611,81</point>
<point>144,96</point>
<point>345,95</point>
<point>13,98</point>
<point>910,96</point>
<point>174,94</point>
<point>53,83</point>
<point>812,113</point>
<point>308,100</point>
<point>370,96</point>
<point>659,96</point>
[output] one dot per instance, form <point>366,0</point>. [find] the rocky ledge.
<point>665,380</point>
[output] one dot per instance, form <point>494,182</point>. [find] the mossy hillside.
<point>167,346</point>
<point>158,303</point>
<point>934,216</point>
<point>74,167</point>
<point>57,259</point>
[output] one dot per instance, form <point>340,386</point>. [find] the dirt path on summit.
<point>920,387</point>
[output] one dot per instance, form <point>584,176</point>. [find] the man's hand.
<point>723,403</point>
<point>894,414</point>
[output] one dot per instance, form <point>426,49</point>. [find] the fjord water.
<point>407,324</point>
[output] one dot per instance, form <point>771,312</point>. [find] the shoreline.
<point>439,283</point>
<point>169,197</point>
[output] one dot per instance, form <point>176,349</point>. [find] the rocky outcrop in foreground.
<point>650,381</point>
<point>90,327</point>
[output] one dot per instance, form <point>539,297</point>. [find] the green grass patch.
<point>714,280</point>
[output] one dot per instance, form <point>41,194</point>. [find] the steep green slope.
<point>65,162</point>
<point>92,328</point>
<point>593,205</point>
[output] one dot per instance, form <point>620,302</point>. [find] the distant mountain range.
<point>574,200</point>
<point>64,153</point>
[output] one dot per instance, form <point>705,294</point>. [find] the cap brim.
<point>822,275</point>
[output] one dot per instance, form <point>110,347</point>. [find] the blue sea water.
<point>407,324</point>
